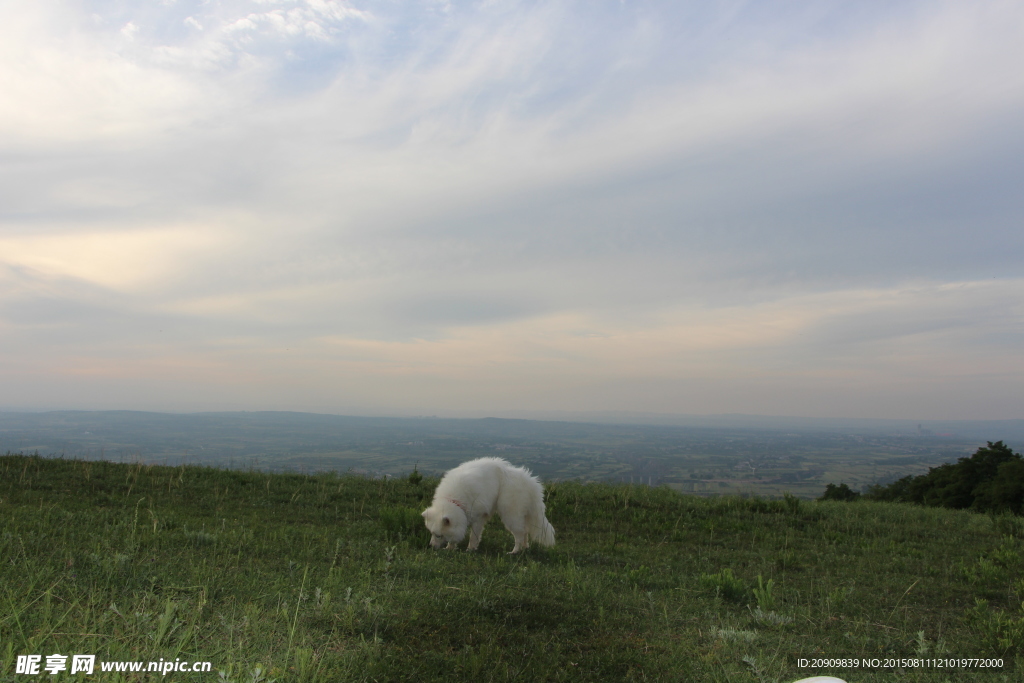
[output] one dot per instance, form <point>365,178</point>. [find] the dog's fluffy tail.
<point>543,532</point>
<point>540,528</point>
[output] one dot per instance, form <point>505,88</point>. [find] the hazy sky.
<point>807,208</point>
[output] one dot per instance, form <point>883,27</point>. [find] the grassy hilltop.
<point>327,578</point>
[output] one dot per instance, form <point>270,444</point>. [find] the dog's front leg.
<point>475,533</point>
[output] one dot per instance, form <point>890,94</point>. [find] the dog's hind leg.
<point>519,530</point>
<point>522,542</point>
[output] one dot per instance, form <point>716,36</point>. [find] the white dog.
<point>471,493</point>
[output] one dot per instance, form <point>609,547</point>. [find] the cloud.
<point>129,30</point>
<point>61,86</point>
<point>114,260</point>
<point>601,196</point>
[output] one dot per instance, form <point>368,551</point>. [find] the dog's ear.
<point>424,513</point>
<point>446,521</point>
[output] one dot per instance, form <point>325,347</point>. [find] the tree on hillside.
<point>992,479</point>
<point>1005,492</point>
<point>841,492</point>
<point>897,491</point>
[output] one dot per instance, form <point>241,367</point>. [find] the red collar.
<point>459,503</point>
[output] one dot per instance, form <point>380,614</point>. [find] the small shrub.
<point>1007,554</point>
<point>415,477</point>
<point>764,594</point>
<point>1003,633</point>
<point>724,584</point>
<point>984,573</point>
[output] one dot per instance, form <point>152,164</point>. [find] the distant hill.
<point>1010,429</point>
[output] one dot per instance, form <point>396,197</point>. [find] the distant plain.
<point>717,455</point>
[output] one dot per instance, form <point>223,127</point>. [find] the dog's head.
<point>446,525</point>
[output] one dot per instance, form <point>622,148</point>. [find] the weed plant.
<point>284,577</point>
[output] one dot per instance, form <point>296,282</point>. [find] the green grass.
<point>328,578</point>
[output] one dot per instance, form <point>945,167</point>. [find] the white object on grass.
<point>469,495</point>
